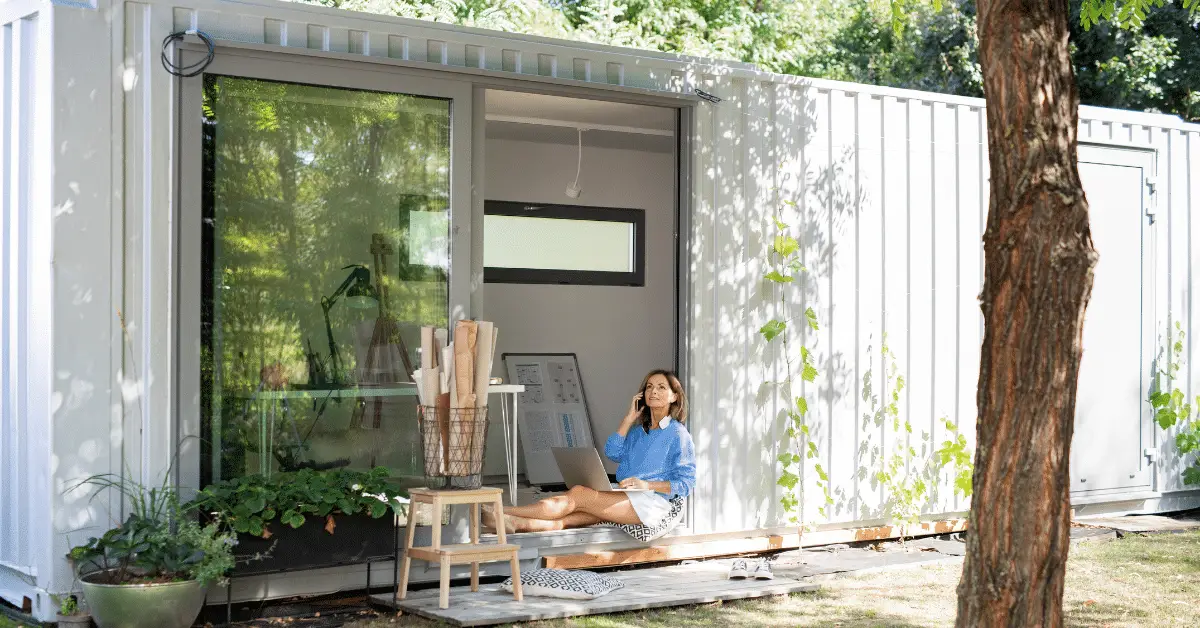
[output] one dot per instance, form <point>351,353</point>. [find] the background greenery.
<point>1153,68</point>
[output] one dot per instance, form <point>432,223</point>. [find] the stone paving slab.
<point>1147,524</point>
<point>1079,535</point>
<point>817,562</point>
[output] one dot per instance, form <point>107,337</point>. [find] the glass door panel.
<point>325,246</point>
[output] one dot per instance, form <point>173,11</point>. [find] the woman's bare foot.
<point>488,516</point>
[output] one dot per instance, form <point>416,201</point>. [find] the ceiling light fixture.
<point>574,190</point>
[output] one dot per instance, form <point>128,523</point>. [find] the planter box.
<point>356,539</point>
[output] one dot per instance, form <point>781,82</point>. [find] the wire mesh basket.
<point>453,442</point>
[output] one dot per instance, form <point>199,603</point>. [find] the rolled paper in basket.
<point>443,423</point>
<point>428,356</point>
<point>484,345</point>
<point>432,438</point>
<point>483,361</point>
<point>431,441</point>
<point>465,338</point>
<point>479,439</point>
<point>447,370</point>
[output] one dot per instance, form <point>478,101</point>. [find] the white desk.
<point>508,418</point>
<point>509,421</point>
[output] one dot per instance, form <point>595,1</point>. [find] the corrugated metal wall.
<point>884,191</point>
<point>18,47</point>
<point>887,192</point>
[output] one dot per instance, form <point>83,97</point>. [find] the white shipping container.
<point>886,190</point>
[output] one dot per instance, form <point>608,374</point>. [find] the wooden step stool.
<point>446,555</point>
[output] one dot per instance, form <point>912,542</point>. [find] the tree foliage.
<point>1132,54</point>
<point>1152,66</point>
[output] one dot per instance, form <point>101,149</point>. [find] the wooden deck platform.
<point>679,585</point>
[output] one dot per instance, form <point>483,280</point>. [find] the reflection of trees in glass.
<point>298,181</point>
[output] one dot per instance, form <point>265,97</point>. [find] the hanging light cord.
<point>579,162</point>
<point>187,71</point>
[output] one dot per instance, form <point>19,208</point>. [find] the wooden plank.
<point>473,496</point>
<point>489,614</point>
<point>464,553</point>
<point>708,549</point>
<point>671,552</point>
<point>648,588</point>
<point>497,602</point>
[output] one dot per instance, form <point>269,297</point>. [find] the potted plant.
<point>306,518</point>
<point>69,613</point>
<point>151,570</point>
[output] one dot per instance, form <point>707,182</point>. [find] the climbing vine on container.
<point>784,268</point>
<point>906,477</point>
<point>1171,407</point>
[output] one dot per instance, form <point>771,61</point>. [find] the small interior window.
<point>563,244</point>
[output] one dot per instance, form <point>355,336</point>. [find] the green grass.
<point>1136,581</point>
<point>5,622</point>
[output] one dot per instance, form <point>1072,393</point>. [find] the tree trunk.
<point>1038,258</point>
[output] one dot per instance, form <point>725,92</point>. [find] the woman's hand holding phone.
<point>635,408</point>
<point>635,412</point>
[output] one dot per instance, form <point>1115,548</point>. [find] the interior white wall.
<point>619,333</point>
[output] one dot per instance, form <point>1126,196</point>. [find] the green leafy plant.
<point>784,266</point>
<point>157,542</point>
<point>956,454</point>
<point>67,604</point>
<point>906,476</point>
<point>1171,407</point>
<point>904,485</point>
<point>249,504</point>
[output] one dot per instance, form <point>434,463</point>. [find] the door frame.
<point>189,175</point>
<point>465,87</point>
<point>1153,286</point>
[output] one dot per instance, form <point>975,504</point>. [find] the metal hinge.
<point>1152,190</point>
<point>1151,454</point>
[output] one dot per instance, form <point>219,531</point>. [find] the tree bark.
<point>1039,260</point>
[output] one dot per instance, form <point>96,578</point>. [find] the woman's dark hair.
<point>679,408</point>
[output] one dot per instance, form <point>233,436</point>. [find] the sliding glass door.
<point>322,237</point>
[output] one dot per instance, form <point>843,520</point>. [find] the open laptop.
<point>581,466</point>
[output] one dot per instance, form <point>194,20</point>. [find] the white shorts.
<point>651,507</point>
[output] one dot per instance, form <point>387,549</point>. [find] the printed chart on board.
<point>553,410</point>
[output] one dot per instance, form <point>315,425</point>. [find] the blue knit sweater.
<point>662,455</point>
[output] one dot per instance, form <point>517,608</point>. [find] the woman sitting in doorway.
<point>654,452</point>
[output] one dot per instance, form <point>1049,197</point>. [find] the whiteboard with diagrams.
<point>552,412</point>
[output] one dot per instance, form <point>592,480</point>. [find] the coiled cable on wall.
<point>187,71</point>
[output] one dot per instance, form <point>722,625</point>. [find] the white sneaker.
<point>762,571</point>
<point>738,571</point>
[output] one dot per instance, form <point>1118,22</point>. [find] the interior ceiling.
<point>583,112</point>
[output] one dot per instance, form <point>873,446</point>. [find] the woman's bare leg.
<point>604,506</point>
<point>516,524</point>
<point>607,506</point>
<point>573,520</point>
